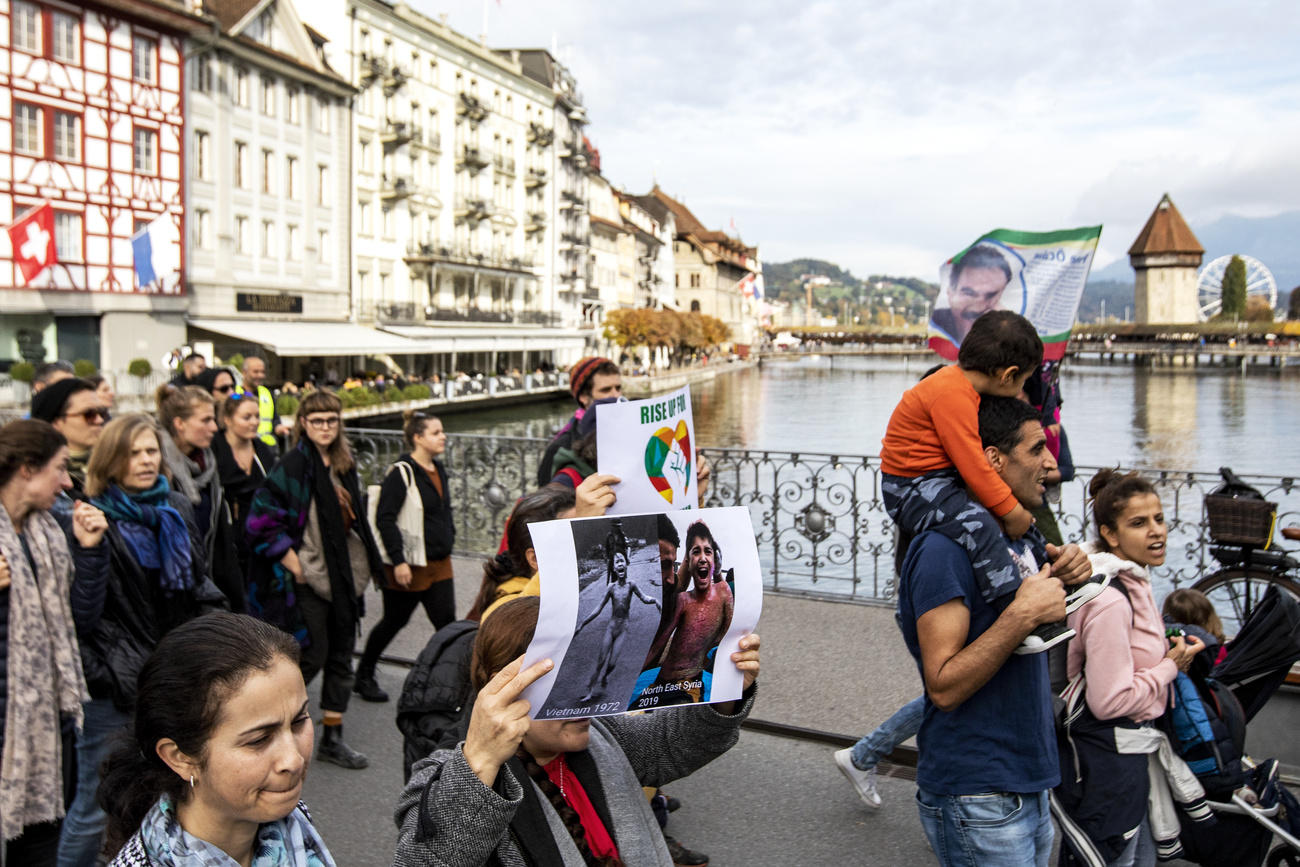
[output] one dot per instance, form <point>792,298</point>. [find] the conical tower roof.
<point>1166,232</point>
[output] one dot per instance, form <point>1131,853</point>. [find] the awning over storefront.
<point>301,339</point>
<point>500,339</point>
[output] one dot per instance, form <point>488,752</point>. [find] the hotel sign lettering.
<point>251,302</point>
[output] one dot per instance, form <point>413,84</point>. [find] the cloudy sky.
<point>885,136</point>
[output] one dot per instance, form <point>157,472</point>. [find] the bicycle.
<point>1241,526</point>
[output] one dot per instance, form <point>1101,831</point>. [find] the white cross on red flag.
<point>32,239</point>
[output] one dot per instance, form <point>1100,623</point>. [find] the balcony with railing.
<point>394,79</point>
<point>473,158</point>
<point>397,133</point>
<point>470,209</point>
<point>396,187</point>
<point>464,254</point>
<point>471,108</point>
<point>534,178</point>
<point>411,313</point>
<point>542,136</point>
<point>573,239</point>
<point>504,164</point>
<point>373,67</point>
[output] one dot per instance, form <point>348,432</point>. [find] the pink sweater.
<point>1121,650</point>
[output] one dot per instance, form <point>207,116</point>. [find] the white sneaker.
<point>863,781</point>
<point>1077,595</point>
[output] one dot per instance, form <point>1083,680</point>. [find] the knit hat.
<point>48,403</point>
<point>581,372</point>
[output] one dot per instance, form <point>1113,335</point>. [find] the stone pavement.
<point>839,667</point>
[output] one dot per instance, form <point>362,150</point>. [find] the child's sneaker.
<point>1078,594</point>
<point>863,781</point>
<point>1045,636</point>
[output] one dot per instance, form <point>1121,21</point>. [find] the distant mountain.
<point>1275,241</point>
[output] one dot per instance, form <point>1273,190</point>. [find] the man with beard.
<point>701,620</point>
<point>620,592</point>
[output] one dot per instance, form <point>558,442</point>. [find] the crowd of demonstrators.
<point>313,555</point>
<point>417,569</point>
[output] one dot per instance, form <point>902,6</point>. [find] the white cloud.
<point>887,135</point>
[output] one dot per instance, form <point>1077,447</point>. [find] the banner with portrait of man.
<point>642,611</point>
<point>1040,275</point>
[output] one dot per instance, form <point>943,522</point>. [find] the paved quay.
<point>839,667</point>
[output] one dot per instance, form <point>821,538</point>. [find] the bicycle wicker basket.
<point>1240,521</point>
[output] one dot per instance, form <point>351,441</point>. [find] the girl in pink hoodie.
<point>1127,662</point>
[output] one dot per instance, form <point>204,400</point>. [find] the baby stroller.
<point>1253,811</point>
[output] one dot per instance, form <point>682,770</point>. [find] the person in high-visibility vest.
<point>269,425</point>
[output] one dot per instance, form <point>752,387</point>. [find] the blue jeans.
<point>905,723</point>
<point>83,828</point>
<point>997,829</point>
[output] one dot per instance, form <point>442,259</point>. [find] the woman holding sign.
<point>502,795</point>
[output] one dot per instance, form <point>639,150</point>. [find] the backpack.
<point>436,692</point>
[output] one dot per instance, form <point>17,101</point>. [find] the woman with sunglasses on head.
<point>41,683</point>
<point>188,415</point>
<point>417,473</point>
<point>156,580</point>
<point>218,382</point>
<point>313,555</point>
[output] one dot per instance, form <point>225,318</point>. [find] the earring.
<point>191,781</point>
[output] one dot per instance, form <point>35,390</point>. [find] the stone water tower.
<point>1165,257</point>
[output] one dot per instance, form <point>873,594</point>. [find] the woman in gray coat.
<point>554,792</point>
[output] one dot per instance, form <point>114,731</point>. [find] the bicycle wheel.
<point>1283,856</point>
<point>1235,593</point>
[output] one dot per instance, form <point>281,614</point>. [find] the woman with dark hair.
<point>243,459</point>
<point>510,572</point>
<point>41,683</point>
<point>219,382</point>
<point>156,580</point>
<point>1121,667</point>
<point>188,416</point>
<point>420,477</point>
<point>221,743</point>
<point>520,791</point>
<point>313,555</point>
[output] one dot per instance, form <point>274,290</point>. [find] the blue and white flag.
<point>157,252</point>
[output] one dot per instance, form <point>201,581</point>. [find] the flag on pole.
<point>746,285</point>
<point>157,251</point>
<point>32,239</point>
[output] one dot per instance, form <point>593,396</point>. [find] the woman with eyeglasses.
<point>421,474</point>
<point>156,580</point>
<point>187,414</point>
<point>313,555</point>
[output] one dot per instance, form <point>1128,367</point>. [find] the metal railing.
<point>819,519</point>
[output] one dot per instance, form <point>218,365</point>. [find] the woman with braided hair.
<point>518,791</point>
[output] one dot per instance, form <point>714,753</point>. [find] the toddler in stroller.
<point>1221,692</point>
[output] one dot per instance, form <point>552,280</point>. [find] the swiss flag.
<point>32,238</point>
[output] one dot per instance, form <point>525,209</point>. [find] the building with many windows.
<point>455,214</point>
<point>269,193</point>
<point>92,120</point>
<point>711,271</point>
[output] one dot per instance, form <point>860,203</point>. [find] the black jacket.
<point>89,565</point>
<point>435,693</point>
<point>122,618</point>
<point>439,531</point>
<point>563,440</point>
<point>239,485</point>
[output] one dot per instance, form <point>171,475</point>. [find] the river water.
<point>1170,419</point>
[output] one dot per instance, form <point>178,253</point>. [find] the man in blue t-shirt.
<point>987,749</point>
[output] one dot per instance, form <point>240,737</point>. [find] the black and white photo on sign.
<point>642,611</point>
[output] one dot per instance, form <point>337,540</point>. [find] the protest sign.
<point>642,611</point>
<point>649,445</point>
<point>1040,275</point>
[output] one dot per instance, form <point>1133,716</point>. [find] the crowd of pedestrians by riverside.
<point>171,582</point>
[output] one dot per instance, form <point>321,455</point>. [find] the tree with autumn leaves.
<point>682,334</point>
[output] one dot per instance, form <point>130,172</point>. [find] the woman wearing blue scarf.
<point>222,741</point>
<point>157,580</point>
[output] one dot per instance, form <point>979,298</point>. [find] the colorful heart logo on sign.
<point>669,452</point>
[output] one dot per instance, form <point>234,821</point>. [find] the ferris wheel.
<point>1209,284</point>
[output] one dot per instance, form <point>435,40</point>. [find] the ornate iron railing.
<point>819,519</point>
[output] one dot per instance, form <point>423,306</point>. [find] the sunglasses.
<point>89,416</point>
<point>224,389</point>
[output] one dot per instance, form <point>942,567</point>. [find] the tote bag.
<point>410,518</point>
